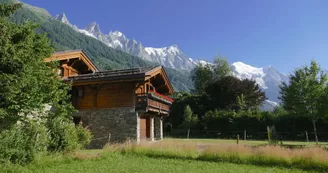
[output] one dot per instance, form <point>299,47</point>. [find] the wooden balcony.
<point>152,102</point>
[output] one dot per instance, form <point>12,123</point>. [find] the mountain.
<point>65,36</point>
<point>108,51</point>
<point>170,56</point>
<point>269,79</point>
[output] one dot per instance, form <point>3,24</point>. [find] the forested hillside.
<point>65,38</point>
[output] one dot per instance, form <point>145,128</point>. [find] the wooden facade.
<point>145,89</point>
<point>101,96</point>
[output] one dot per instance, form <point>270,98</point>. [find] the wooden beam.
<point>160,71</point>
<point>72,55</point>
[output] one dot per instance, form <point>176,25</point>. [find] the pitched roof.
<point>132,74</point>
<point>114,74</point>
<point>71,54</point>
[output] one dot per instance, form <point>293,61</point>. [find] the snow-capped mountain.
<point>269,79</point>
<point>170,56</point>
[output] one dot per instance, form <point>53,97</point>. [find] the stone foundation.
<point>158,123</point>
<point>121,124</point>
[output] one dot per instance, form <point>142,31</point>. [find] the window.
<point>60,72</point>
<point>80,92</point>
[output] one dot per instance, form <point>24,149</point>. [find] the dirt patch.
<point>85,156</point>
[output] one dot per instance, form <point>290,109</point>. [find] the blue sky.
<point>283,33</point>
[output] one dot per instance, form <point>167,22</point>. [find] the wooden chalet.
<point>127,104</point>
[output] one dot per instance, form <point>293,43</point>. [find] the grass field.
<point>178,155</point>
<point>248,142</point>
<point>126,163</point>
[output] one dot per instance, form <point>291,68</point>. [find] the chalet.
<point>127,104</point>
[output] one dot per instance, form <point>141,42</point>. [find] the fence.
<point>101,140</point>
<point>248,135</point>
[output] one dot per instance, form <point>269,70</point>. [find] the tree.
<point>221,68</point>
<point>8,10</point>
<point>27,83</point>
<point>253,95</point>
<point>202,75</point>
<point>190,119</point>
<point>28,87</point>
<point>234,94</point>
<point>241,102</point>
<point>306,93</point>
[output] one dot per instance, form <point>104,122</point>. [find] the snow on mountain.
<point>269,79</point>
<point>62,18</point>
<point>86,33</point>
<point>170,56</point>
<point>244,71</point>
<point>268,105</point>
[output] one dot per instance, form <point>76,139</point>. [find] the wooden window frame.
<point>78,90</point>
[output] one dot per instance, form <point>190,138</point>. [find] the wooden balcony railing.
<point>151,102</point>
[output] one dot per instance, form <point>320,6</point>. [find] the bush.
<point>63,135</point>
<point>84,136</point>
<point>22,143</point>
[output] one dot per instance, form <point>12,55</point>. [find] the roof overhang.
<point>160,70</point>
<point>85,80</point>
<point>67,55</point>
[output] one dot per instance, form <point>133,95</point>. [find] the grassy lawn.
<point>182,155</point>
<point>247,142</point>
<point>117,162</point>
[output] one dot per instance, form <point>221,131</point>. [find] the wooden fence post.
<point>307,136</point>
<point>109,135</point>
<point>237,139</point>
<point>244,135</point>
<point>188,133</point>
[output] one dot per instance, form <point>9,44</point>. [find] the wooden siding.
<point>148,127</point>
<point>158,105</point>
<point>143,128</point>
<point>105,96</point>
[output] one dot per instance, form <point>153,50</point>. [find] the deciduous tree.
<point>204,74</point>
<point>306,93</point>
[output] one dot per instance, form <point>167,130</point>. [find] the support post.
<point>151,119</point>
<point>245,135</point>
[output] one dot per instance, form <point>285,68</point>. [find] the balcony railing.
<point>153,102</point>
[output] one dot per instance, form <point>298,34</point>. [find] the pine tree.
<point>27,83</point>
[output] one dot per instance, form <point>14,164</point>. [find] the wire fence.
<point>104,138</point>
<point>246,135</point>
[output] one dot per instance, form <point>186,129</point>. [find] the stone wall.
<point>158,123</point>
<point>121,123</point>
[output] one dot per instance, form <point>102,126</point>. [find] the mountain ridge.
<point>170,56</point>
<point>65,39</point>
<point>268,78</point>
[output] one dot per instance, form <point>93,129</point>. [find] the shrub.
<point>84,136</point>
<point>63,135</point>
<point>22,143</point>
